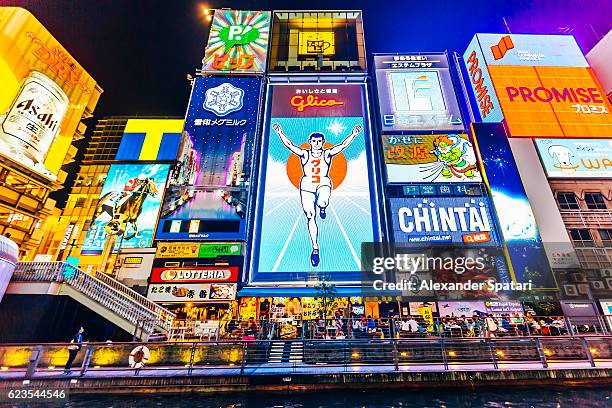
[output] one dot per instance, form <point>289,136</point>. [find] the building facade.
<point>45,95</point>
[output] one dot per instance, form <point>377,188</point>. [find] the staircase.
<point>99,292</point>
<point>286,352</point>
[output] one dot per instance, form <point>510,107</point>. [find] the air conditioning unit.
<point>607,272</point>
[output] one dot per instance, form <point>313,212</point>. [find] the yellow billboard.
<point>316,42</point>
<point>45,93</point>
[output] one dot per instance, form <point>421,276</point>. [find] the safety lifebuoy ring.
<point>139,356</point>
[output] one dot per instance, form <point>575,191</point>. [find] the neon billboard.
<point>317,203</point>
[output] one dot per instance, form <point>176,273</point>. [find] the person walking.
<point>75,345</point>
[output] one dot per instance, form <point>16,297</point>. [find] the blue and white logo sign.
<point>223,99</point>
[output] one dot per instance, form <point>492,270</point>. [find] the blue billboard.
<point>128,207</point>
<point>317,201</point>
<point>207,193</point>
<point>460,220</point>
<point>516,219</point>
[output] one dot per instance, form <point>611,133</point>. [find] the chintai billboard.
<point>208,190</point>
<point>317,196</point>
<point>128,207</point>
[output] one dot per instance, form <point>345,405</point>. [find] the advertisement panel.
<point>576,158</point>
<point>191,292</point>
<point>128,207</point>
<point>480,82</point>
<point>465,308</point>
<point>207,192</point>
<point>197,250</point>
<point>237,42</point>
<point>447,158</point>
<point>465,220</point>
<point>45,92</point>
<point>415,92</point>
<point>516,219</point>
<point>508,307</point>
<point>552,101</point>
<point>199,274</point>
<point>33,121</point>
<point>531,50</point>
<point>316,42</point>
<point>542,85</point>
<point>317,198</point>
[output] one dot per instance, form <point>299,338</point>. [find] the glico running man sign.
<point>317,198</point>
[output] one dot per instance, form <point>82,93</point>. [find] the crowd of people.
<point>340,327</point>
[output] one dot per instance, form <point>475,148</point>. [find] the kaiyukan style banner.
<point>238,42</point>
<point>541,85</point>
<point>317,201</point>
<point>518,227</point>
<point>415,92</point>
<point>128,206</point>
<point>207,195</point>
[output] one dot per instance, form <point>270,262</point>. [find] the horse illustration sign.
<point>128,207</point>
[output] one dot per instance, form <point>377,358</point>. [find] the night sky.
<point>140,51</point>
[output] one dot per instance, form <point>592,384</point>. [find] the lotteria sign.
<point>442,219</point>
<point>198,274</point>
<point>541,84</point>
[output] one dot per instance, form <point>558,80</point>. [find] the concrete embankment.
<point>347,378</point>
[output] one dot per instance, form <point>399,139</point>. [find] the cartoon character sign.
<point>452,152</point>
<point>430,158</point>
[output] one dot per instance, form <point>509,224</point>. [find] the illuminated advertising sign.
<point>44,93</point>
<point>128,207</point>
<point>509,307</point>
<point>517,222</point>
<point>207,193</point>
<point>238,42</point>
<point>197,250</point>
<point>542,85</point>
<point>33,121</point>
<point>480,81</point>
<point>446,158</point>
<point>576,158</point>
<point>317,200</point>
<point>415,92</point>
<point>191,292</point>
<point>465,220</point>
<point>531,50</point>
<point>465,308</point>
<point>316,42</point>
<point>199,274</point>
<point>552,101</point>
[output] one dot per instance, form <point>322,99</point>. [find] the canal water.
<point>439,398</point>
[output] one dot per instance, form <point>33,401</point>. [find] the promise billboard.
<point>317,201</point>
<point>541,85</point>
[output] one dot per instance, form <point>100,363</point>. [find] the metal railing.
<point>310,355</point>
<point>107,292</point>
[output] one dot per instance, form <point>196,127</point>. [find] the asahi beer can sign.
<point>35,117</point>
